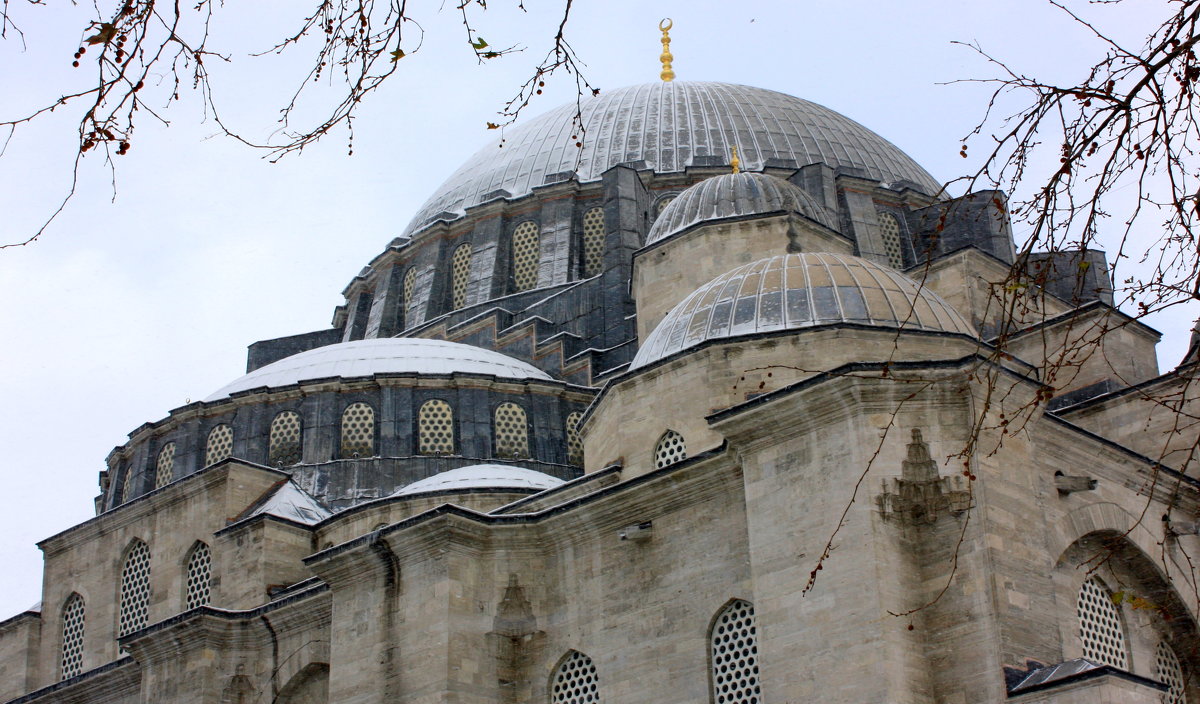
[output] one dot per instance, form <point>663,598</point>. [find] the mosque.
<point>731,404</point>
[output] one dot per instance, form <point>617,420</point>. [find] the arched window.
<point>460,273</point>
<point>669,450</point>
<point>889,227</point>
<point>435,428</point>
<point>525,256</point>
<point>575,681</point>
<point>661,205</point>
<point>285,440</point>
<point>358,430</point>
<point>733,651</point>
<point>512,431</point>
<point>164,467</point>
<point>220,444</point>
<point>135,588</point>
<point>574,442</point>
<point>593,241</point>
<point>1100,628</point>
<point>199,576</point>
<point>127,484</point>
<point>409,285</point>
<point>72,637</point>
<point>1168,671</point>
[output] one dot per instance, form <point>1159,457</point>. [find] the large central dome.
<point>666,125</point>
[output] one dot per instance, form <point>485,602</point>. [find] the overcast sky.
<point>127,309</point>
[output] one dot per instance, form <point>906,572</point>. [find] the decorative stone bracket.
<point>921,495</point>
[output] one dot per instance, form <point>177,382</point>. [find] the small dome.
<point>482,476</point>
<point>394,355</point>
<point>735,196</point>
<point>793,291</point>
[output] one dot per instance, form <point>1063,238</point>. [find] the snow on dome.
<point>793,291</point>
<point>482,476</point>
<point>382,356</point>
<point>733,196</point>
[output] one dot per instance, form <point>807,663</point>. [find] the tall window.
<point>593,241</point>
<point>127,484</point>
<point>669,450</point>
<point>733,650</point>
<point>199,574</point>
<point>574,442</point>
<point>525,256</point>
<point>512,431</point>
<point>435,428</point>
<point>575,681</point>
<point>164,467</point>
<point>460,273</point>
<point>1168,671</point>
<point>135,588</point>
<point>285,440</point>
<point>220,444</point>
<point>72,637</point>
<point>1100,628</point>
<point>889,227</point>
<point>409,285</point>
<point>358,430</point>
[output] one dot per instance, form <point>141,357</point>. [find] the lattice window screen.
<point>662,205</point>
<point>220,444</point>
<point>574,441</point>
<point>1100,628</point>
<point>512,431</point>
<point>889,227</point>
<point>285,442</point>
<point>435,428</point>
<point>460,274</point>
<point>135,588</point>
<point>199,573</point>
<point>407,288</point>
<point>358,430</point>
<point>593,241</point>
<point>734,650</point>
<point>127,484</point>
<point>575,681</point>
<point>164,467</point>
<point>669,450</point>
<point>1168,671</point>
<point>72,637</point>
<point>525,253</point>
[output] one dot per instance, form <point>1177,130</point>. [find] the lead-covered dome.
<point>498,477</point>
<point>666,125</point>
<point>390,355</point>
<point>794,291</point>
<point>731,196</point>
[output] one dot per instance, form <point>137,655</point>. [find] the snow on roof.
<point>380,356</point>
<point>482,476</point>
<point>292,503</point>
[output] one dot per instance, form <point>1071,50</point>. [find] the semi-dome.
<point>793,291</point>
<point>667,125</point>
<point>390,355</point>
<point>482,476</point>
<point>737,195</point>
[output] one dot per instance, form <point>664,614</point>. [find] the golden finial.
<point>734,162</point>
<point>667,74</point>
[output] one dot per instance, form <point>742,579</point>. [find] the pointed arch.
<point>286,439</point>
<point>574,680</point>
<point>73,629</point>
<point>219,445</point>
<point>135,588</point>
<point>733,654</point>
<point>669,449</point>
<point>198,573</point>
<point>511,430</point>
<point>358,431</point>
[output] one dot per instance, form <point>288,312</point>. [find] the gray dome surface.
<point>666,124</point>
<point>794,291</point>
<point>482,476</point>
<point>732,196</point>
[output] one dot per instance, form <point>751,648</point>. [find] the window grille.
<point>285,443</point>
<point>512,431</point>
<point>135,588</point>
<point>1100,628</point>
<point>574,442</point>
<point>199,573</point>
<point>164,467</point>
<point>669,450</point>
<point>435,428</point>
<point>127,484</point>
<point>575,681</point>
<point>593,241</point>
<point>460,273</point>
<point>525,256</point>
<point>661,205</point>
<point>72,637</point>
<point>889,227</point>
<point>1168,671</point>
<point>220,444</point>
<point>410,283</point>
<point>358,430</point>
<point>734,650</point>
